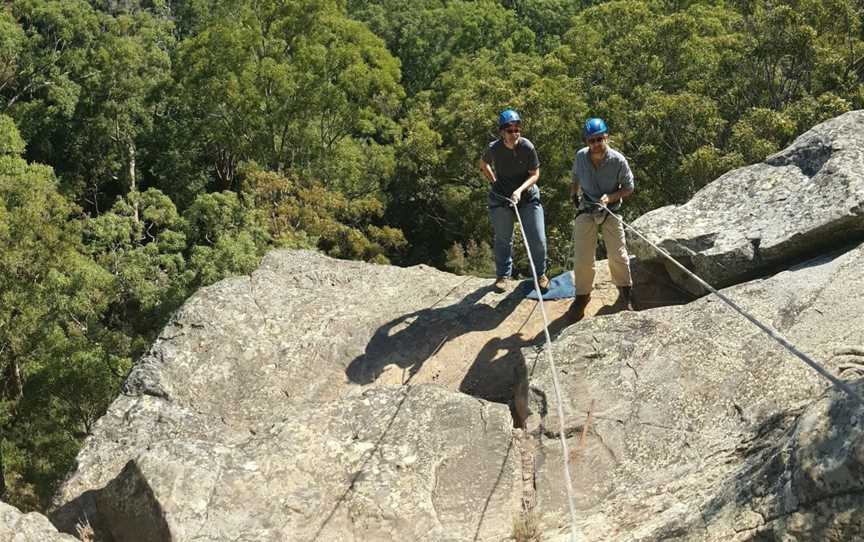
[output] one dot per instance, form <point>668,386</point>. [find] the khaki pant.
<point>585,247</point>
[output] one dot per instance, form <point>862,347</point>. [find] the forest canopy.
<point>148,148</point>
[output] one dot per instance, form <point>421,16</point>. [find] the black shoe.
<point>577,309</point>
<point>626,297</point>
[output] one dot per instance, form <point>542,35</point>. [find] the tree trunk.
<point>2,475</point>
<point>226,166</point>
<point>130,175</point>
<point>13,387</point>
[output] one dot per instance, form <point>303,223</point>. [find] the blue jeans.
<point>502,217</point>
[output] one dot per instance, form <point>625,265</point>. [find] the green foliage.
<point>760,132</point>
<point>449,192</point>
<point>51,299</point>
<point>548,19</point>
<point>141,241</point>
<point>692,91</point>
<point>428,36</point>
<point>11,142</point>
<point>41,58</point>
<point>293,85</point>
<point>115,114</point>
<point>305,214</point>
<point>226,235</point>
<point>472,259</point>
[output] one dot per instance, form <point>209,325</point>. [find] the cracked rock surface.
<point>320,399</point>
<point>766,216</point>
<point>704,428</point>
<point>284,406</point>
<point>32,527</point>
<point>371,467</point>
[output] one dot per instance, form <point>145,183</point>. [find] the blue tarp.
<point>560,287</point>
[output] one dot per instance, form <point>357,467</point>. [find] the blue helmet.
<point>594,126</point>
<point>508,116</point>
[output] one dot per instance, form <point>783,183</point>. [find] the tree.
<point>141,241</point>
<point>51,299</point>
<point>429,35</point>
<point>305,214</point>
<point>438,195</point>
<point>44,45</point>
<point>292,85</point>
<point>117,109</point>
<point>226,236</point>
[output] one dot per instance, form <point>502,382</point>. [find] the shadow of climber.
<point>410,340</point>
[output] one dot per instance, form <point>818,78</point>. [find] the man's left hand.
<point>604,199</point>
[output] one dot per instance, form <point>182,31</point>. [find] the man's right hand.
<point>574,197</point>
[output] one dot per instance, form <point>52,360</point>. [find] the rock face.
<point>32,527</point>
<point>251,417</point>
<point>797,204</point>
<point>415,463</point>
<point>696,423</point>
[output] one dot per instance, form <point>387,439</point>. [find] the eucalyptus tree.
<point>80,84</point>
<point>293,85</point>
<point>43,49</point>
<point>117,109</point>
<point>693,89</point>
<point>299,213</point>
<point>427,35</point>
<point>141,242</point>
<point>58,373</point>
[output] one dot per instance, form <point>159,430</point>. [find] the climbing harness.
<point>593,209</point>
<point>574,533</point>
<point>836,382</point>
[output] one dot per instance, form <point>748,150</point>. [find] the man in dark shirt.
<point>511,164</point>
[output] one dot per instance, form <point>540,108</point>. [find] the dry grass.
<point>85,531</point>
<point>526,528</point>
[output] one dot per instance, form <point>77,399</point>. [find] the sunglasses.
<point>597,139</point>
<point>513,130</point>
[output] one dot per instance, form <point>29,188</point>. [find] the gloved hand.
<point>575,199</point>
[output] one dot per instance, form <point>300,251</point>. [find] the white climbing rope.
<point>836,382</point>
<point>575,536</point>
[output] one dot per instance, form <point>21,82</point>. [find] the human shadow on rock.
<point>500,369</point>
<point>409,340</point>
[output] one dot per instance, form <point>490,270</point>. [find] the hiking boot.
<point>580,302</point>
<point>582,299</point>
<point>577,308</point>
<point>543,281</point>
<point>626,297</point>
<point>501,283</point>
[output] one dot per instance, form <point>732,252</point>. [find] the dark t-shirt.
<point>511,165</point>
